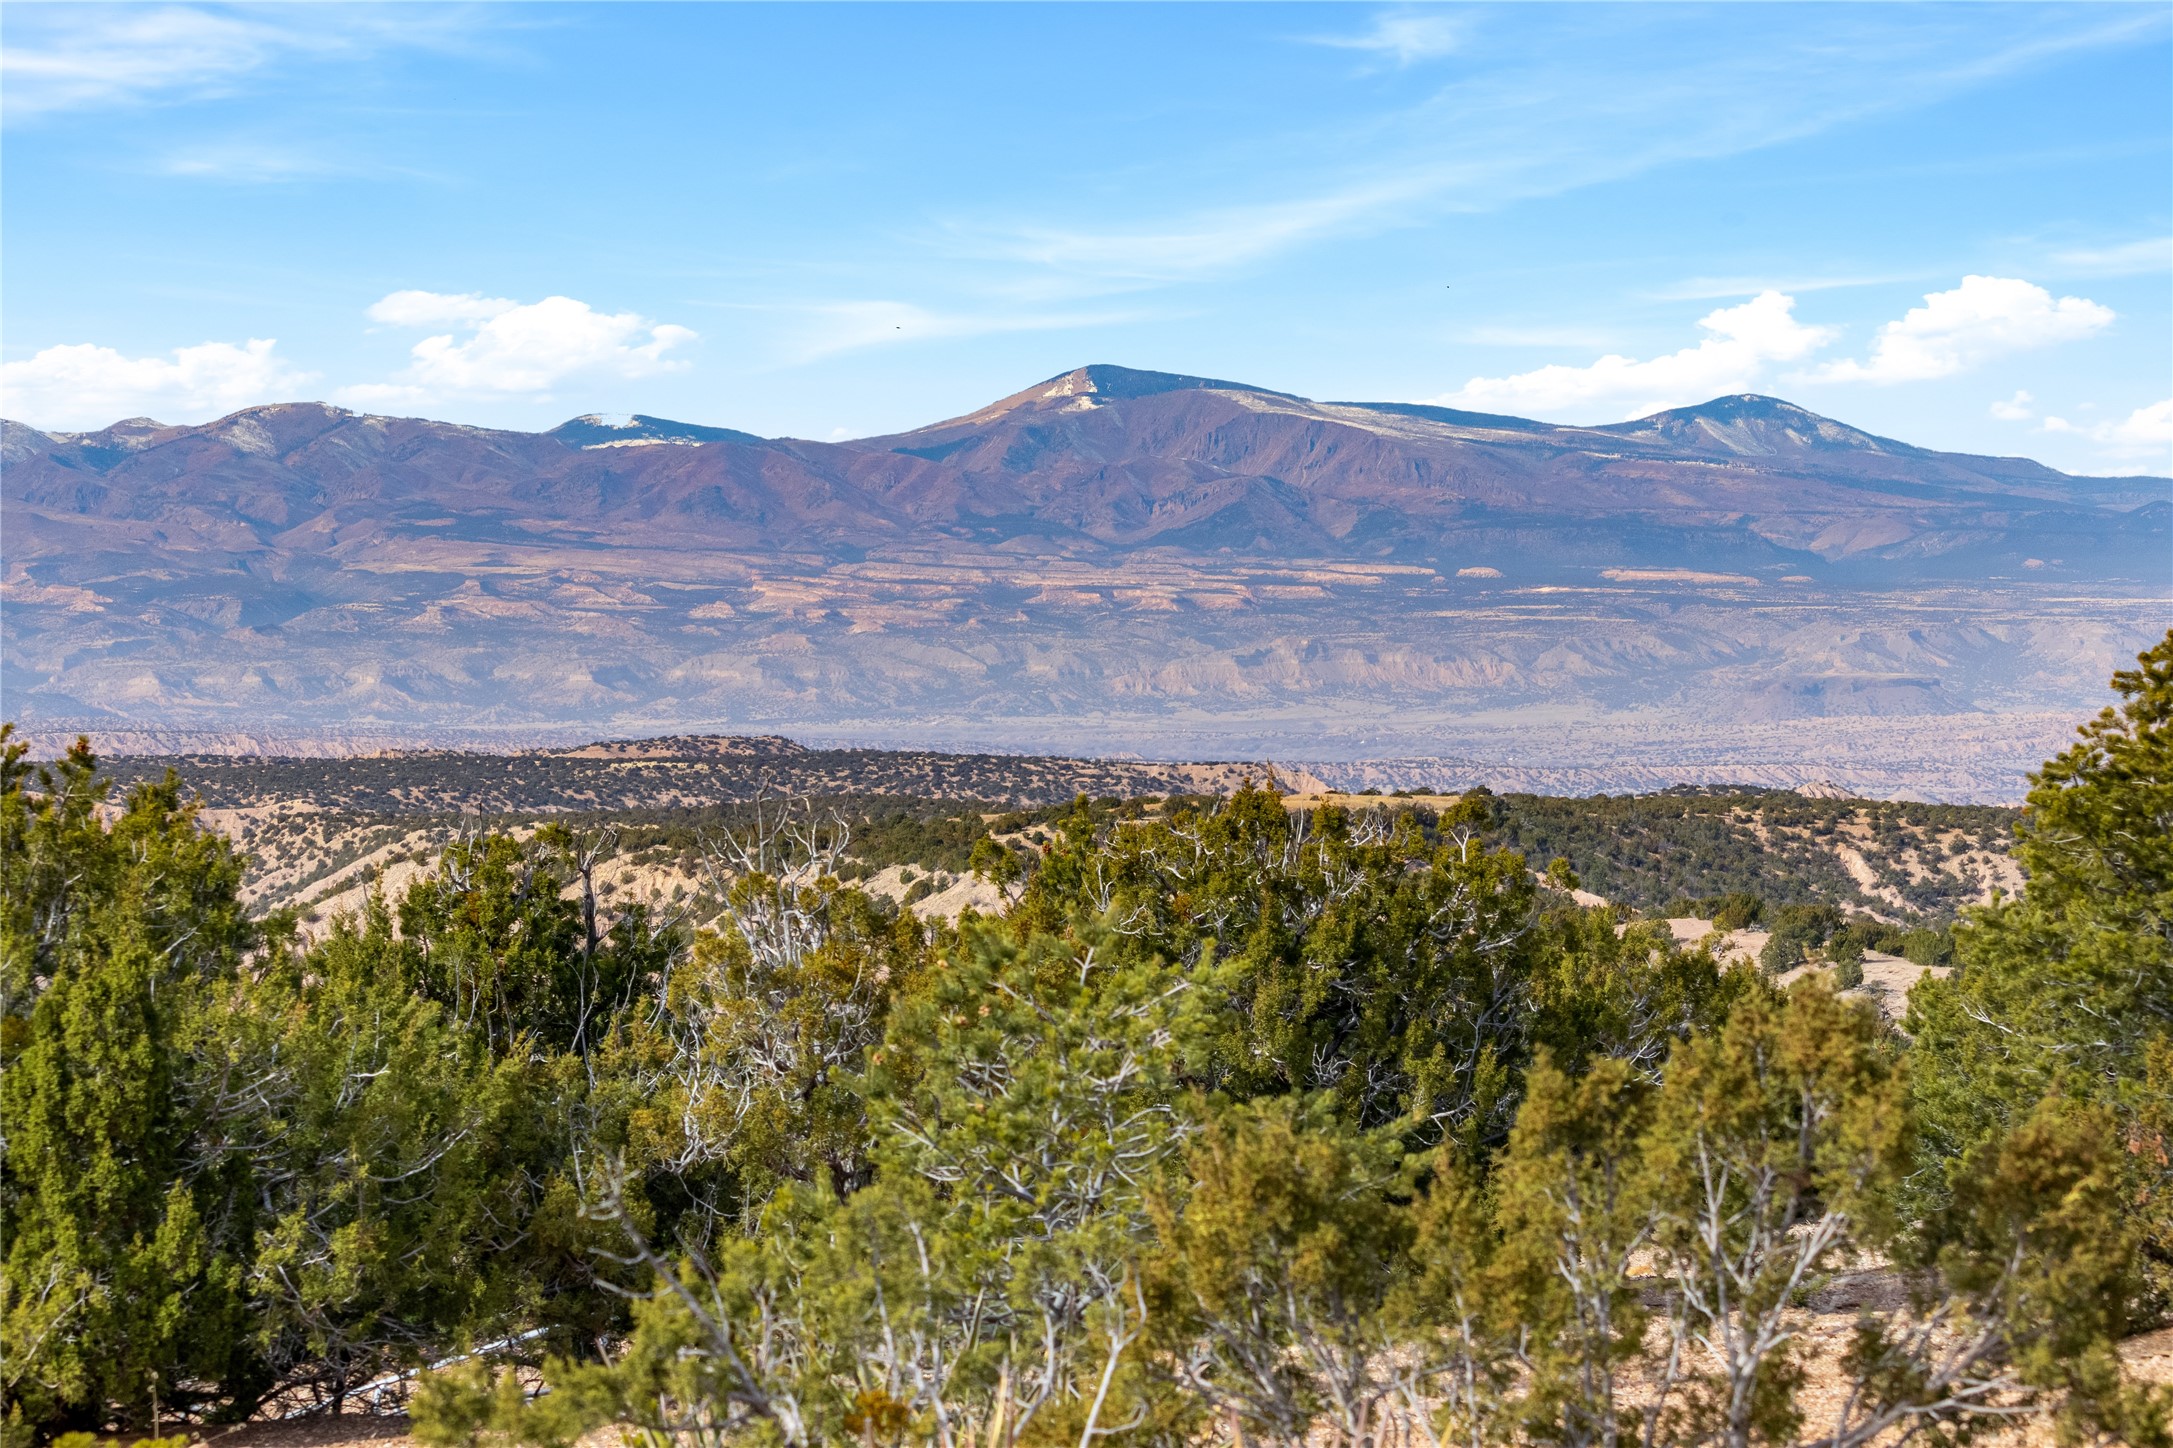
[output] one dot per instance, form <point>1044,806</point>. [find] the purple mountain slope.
<point>1138,544</point>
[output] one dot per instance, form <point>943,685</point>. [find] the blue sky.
<point>1946,224</point>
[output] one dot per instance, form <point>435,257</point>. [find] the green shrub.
<point>1738,911</point>
<point>1782,953</point>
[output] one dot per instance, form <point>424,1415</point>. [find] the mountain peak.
<point>271,429</point>
<point>128,428</point>
<point>598,429</point>
<point>1750,424</point>
<point>1088,387</point>
<point>1104,379</point>
<point>289,409</point>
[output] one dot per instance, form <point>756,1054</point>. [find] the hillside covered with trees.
<point>1233,1125</point>
<point>313,828</point>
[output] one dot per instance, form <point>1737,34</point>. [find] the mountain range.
<point>1104,461</point>
<point>1109,543</point>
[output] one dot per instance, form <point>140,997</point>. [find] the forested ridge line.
<point>1231,1124</point>
<point>313,827</point>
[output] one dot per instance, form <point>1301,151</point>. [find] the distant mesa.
<point>691,746</point>
<point>1676,575</point>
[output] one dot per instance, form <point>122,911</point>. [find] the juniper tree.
<point>2067,988</point>
<point>116,941</point>
<point>1274,1269</point>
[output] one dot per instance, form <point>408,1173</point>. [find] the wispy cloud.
<point>2145,257</point>
<point>818,330</point>
<point>1561,115</point>
<point>75,57</point>
<point>1710,289</point>
<point>1404,36</point>
<point>1192,246</point>
<point>245,162</point>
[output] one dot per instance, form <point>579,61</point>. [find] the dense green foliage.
<point>1234,1124</point>
<point>119,1265</point>
<point>1694,844</point>
<point>2068,987</point>
<point>235,1170</point>
<point>652,774</point>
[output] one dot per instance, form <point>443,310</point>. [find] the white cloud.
<point>2015,408</point>
<point>72,57</point>
<point>1407,36</point>
<point>1742,342</point>
<point>1983,318</point>
<point>2153,255</point>
<point>430,309</point>
<point>85,386</point>
<point>516,347</point>
<point>2144,436</point>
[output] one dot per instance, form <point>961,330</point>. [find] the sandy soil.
<point>313,1433</point>
<point>947,903</point>
<point>1888,979</point>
